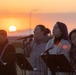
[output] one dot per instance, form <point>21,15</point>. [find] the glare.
<point>12,28</point>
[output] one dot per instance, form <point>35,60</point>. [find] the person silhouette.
<point>72,53</point>
<point>7,63</point>
<point>60,43</point>
<point>35,48</point>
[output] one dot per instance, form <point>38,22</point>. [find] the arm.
<point>65,48</point>
<point>27,49</point>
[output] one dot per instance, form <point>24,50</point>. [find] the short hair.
<point>3,32</point>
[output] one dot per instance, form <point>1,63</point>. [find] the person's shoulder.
<point>66,44</point>
<point>47,38</point>
<point>51,40</point>
<point>65,41</point>
<point>10,45</point>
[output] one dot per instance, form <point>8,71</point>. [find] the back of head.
<point>3,33</point>
<point>47,31</point>
<point>3,36</point>
<point>64,30</point>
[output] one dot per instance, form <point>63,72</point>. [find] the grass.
<point>17,44</point>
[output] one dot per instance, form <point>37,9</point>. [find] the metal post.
<point>30,17</point>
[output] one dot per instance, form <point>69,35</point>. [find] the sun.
<point>12,28</point>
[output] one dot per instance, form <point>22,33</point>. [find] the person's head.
<point>40,31</point>
<point>60,29</point>
<point>72,36</point>
<point>3,36</point>
<point>48,32</point>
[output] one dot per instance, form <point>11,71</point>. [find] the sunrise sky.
<point>47,12</point>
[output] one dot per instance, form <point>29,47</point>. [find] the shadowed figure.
<point>60,43</point>
<point>72,53</point>
<point>7,62</point>
<point>35,48</point>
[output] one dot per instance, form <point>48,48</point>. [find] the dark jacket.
<point>8,57</point>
